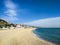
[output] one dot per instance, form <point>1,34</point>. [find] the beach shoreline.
<point>20,36</point>
<point>50,43</point>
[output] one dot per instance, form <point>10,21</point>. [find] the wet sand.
<point>20,36</point>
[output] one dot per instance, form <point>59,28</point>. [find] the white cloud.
<point>10,5</point>
<point>10,19</point>
<point>48,22</point>
<point>10,12</point>
<point>11,8</point>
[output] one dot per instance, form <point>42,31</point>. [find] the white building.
<point>18,26</point>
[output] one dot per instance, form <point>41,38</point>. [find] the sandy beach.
<point>20,36</point>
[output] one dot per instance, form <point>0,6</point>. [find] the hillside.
<point>3,23</point>
<point>6,24</point>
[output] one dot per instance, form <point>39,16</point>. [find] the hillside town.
<point>5,25</point>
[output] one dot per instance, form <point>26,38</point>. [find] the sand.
<point>20,36</point>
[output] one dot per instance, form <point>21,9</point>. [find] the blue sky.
<point>22,11</point>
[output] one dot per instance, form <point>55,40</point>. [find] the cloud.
<point>48,22</point>
<point>10,5</point>
<point>10,19</point>
<point>11,8</point>
<point>10,14</point>
<point>13,11</point>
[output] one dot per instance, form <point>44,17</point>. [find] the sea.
<point>48,34</point>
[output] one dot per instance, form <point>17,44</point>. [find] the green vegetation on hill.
<point>5,24</point>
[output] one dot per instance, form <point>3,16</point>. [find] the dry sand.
<point>20,36</point>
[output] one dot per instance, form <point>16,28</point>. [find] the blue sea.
<point>49,34</point>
